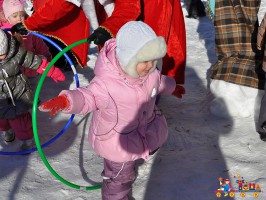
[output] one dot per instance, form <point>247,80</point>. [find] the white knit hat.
<point>12,6</point>
<point>3,42</point>
<point>137,42</point>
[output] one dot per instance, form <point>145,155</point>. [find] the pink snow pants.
<point>21,125</point>
<point>117,180</point>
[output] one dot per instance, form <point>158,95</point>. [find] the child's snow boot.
<point>9,136</point>
<point>26,145</point>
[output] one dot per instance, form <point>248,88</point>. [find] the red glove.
<point>55,73</point>
<point>179,91</point>
<point>54,105</point>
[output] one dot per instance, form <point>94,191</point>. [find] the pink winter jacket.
<point>34,44</point>
<point>126,124</point>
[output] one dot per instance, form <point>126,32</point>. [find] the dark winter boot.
<point>9,136</point>
<point>263,134</point>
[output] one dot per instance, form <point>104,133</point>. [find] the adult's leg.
<point>262,117</point>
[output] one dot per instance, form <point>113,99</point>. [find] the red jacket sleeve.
<point>50,12</point>
<point>124,11</point>
<point>38,3</point>
<point>64,21</point>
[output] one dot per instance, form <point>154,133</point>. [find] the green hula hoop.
<point>34,120</point>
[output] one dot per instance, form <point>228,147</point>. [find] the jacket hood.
<point>12,48</point>
<point>106,63</point>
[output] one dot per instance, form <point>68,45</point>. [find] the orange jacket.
<point>166,19</point>
<point>63,21</point>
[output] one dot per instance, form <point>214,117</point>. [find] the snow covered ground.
<point>200,148</point>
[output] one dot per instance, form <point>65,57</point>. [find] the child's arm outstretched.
<point>81,100</point>
<point>55,73</point>
<point>29,60</point>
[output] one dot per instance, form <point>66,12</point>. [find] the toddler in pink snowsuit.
<point>126,124</point>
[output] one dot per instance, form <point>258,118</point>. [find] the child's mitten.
<point>55,73</point>
<point>54,105</point>
<point>179,91</point>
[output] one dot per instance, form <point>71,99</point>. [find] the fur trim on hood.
<point>137,42</point>
<point>152,50</point>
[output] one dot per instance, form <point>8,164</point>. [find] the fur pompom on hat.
<point>12,6</point>
<point>3,42</point>
<point>136,42</point>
